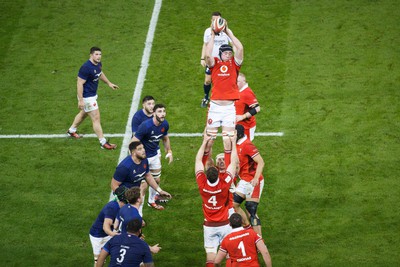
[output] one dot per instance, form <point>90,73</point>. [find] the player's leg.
<point>95,117</point>
<point>143,188</point>
<point>252,205</point>
<point>79,118</point>
<point>211,243</point>
<point>155,170</point>
<point>206,88</point>
<point>228,130</point>
<point>97,244</point>
<point>240,195</point>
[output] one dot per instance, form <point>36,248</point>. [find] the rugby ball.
<point>218,25</point>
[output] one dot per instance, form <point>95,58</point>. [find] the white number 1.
<point>241,247</point>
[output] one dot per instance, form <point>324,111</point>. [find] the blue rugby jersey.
<point>91,74</point>
<point>130,174</point>
<point>150,136</point>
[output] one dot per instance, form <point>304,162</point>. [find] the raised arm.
<point>236,44</point>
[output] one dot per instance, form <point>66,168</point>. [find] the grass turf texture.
<point>326,73</point>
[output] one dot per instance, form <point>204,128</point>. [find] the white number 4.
<point>213,200</point>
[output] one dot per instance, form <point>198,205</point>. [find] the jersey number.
<point>241,247</point>
<point>213,200</point>
<point>121,255</point>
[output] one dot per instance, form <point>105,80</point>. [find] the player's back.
<point>128,250</point>
<point>126,214</point>
<point>241,246</point>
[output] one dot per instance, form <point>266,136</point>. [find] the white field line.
<point>125,152</point>
<point>141,78</point>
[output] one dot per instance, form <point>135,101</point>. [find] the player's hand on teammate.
<point>81,104</point>
<point>155,249</point>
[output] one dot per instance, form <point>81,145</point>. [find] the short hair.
<point>94,49</point>
<point>147,98</point>
<point>133,145</point>
<point>134,226</point>
<point>216,13</point>
<point>212,174</point>
<point>157,106</point>
<point>239,131</point>
<point>132,195</point>
<point>235,220</point>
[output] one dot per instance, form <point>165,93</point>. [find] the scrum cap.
<point>223,48</point>
<point>120,193</point>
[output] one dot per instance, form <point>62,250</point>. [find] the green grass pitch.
<point>326,73</point>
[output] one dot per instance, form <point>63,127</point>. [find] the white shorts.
<point>98,243</point>
<point>252,130</point>
<point>213,237</point>
<point>248,190</point>
<point>90,103</point>
<point>221,115</point>
<point>155,161</point>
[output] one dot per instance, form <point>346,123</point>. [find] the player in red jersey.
<point>251,181</point>
<point>246,107</point>
<point>224,71</point>
<point>242,246</point>
<point>214,191</point>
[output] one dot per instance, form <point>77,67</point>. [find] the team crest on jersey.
<point>223,69</point>
<point>162,129</point>
<point>134,171</point>
<point>145,166</point>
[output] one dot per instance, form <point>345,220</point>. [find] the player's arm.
<point>208,51</point>
<point>167,147</point>
<point>221,255</point>
<point>107,227</point>
<point>199,166</point>
<point>114,184</point>
<point>237,45</point>
<point>260,167</point>
<point>262,248</point>
<point>203,55</point>
<point>148,264</point>
<point>104,78</point>
<point>232,168</point>
<point>79,91</point>
<point>150,181</point>
<point>102,258</point>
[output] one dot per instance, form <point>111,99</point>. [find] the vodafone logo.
<point>223,69</point>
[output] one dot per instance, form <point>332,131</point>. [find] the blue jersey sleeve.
<point>121,172</point>
<point>111,212</point>
<point>84,72</point>
<point>141,131</point>
<point>147,258</point>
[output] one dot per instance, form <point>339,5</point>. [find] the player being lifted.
<point>224,73</point>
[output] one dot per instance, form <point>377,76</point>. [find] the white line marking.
<point>141,78</point>
<point>46,136</point>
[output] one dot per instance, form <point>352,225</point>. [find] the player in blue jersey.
<point>88,81</point>
<point>130,211</point>
<point>127,249</point>
<point>140,116</point>
<point>145,113</point>
<point>134,169</point>
<point>102,229</point>
<point>150,133</point>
